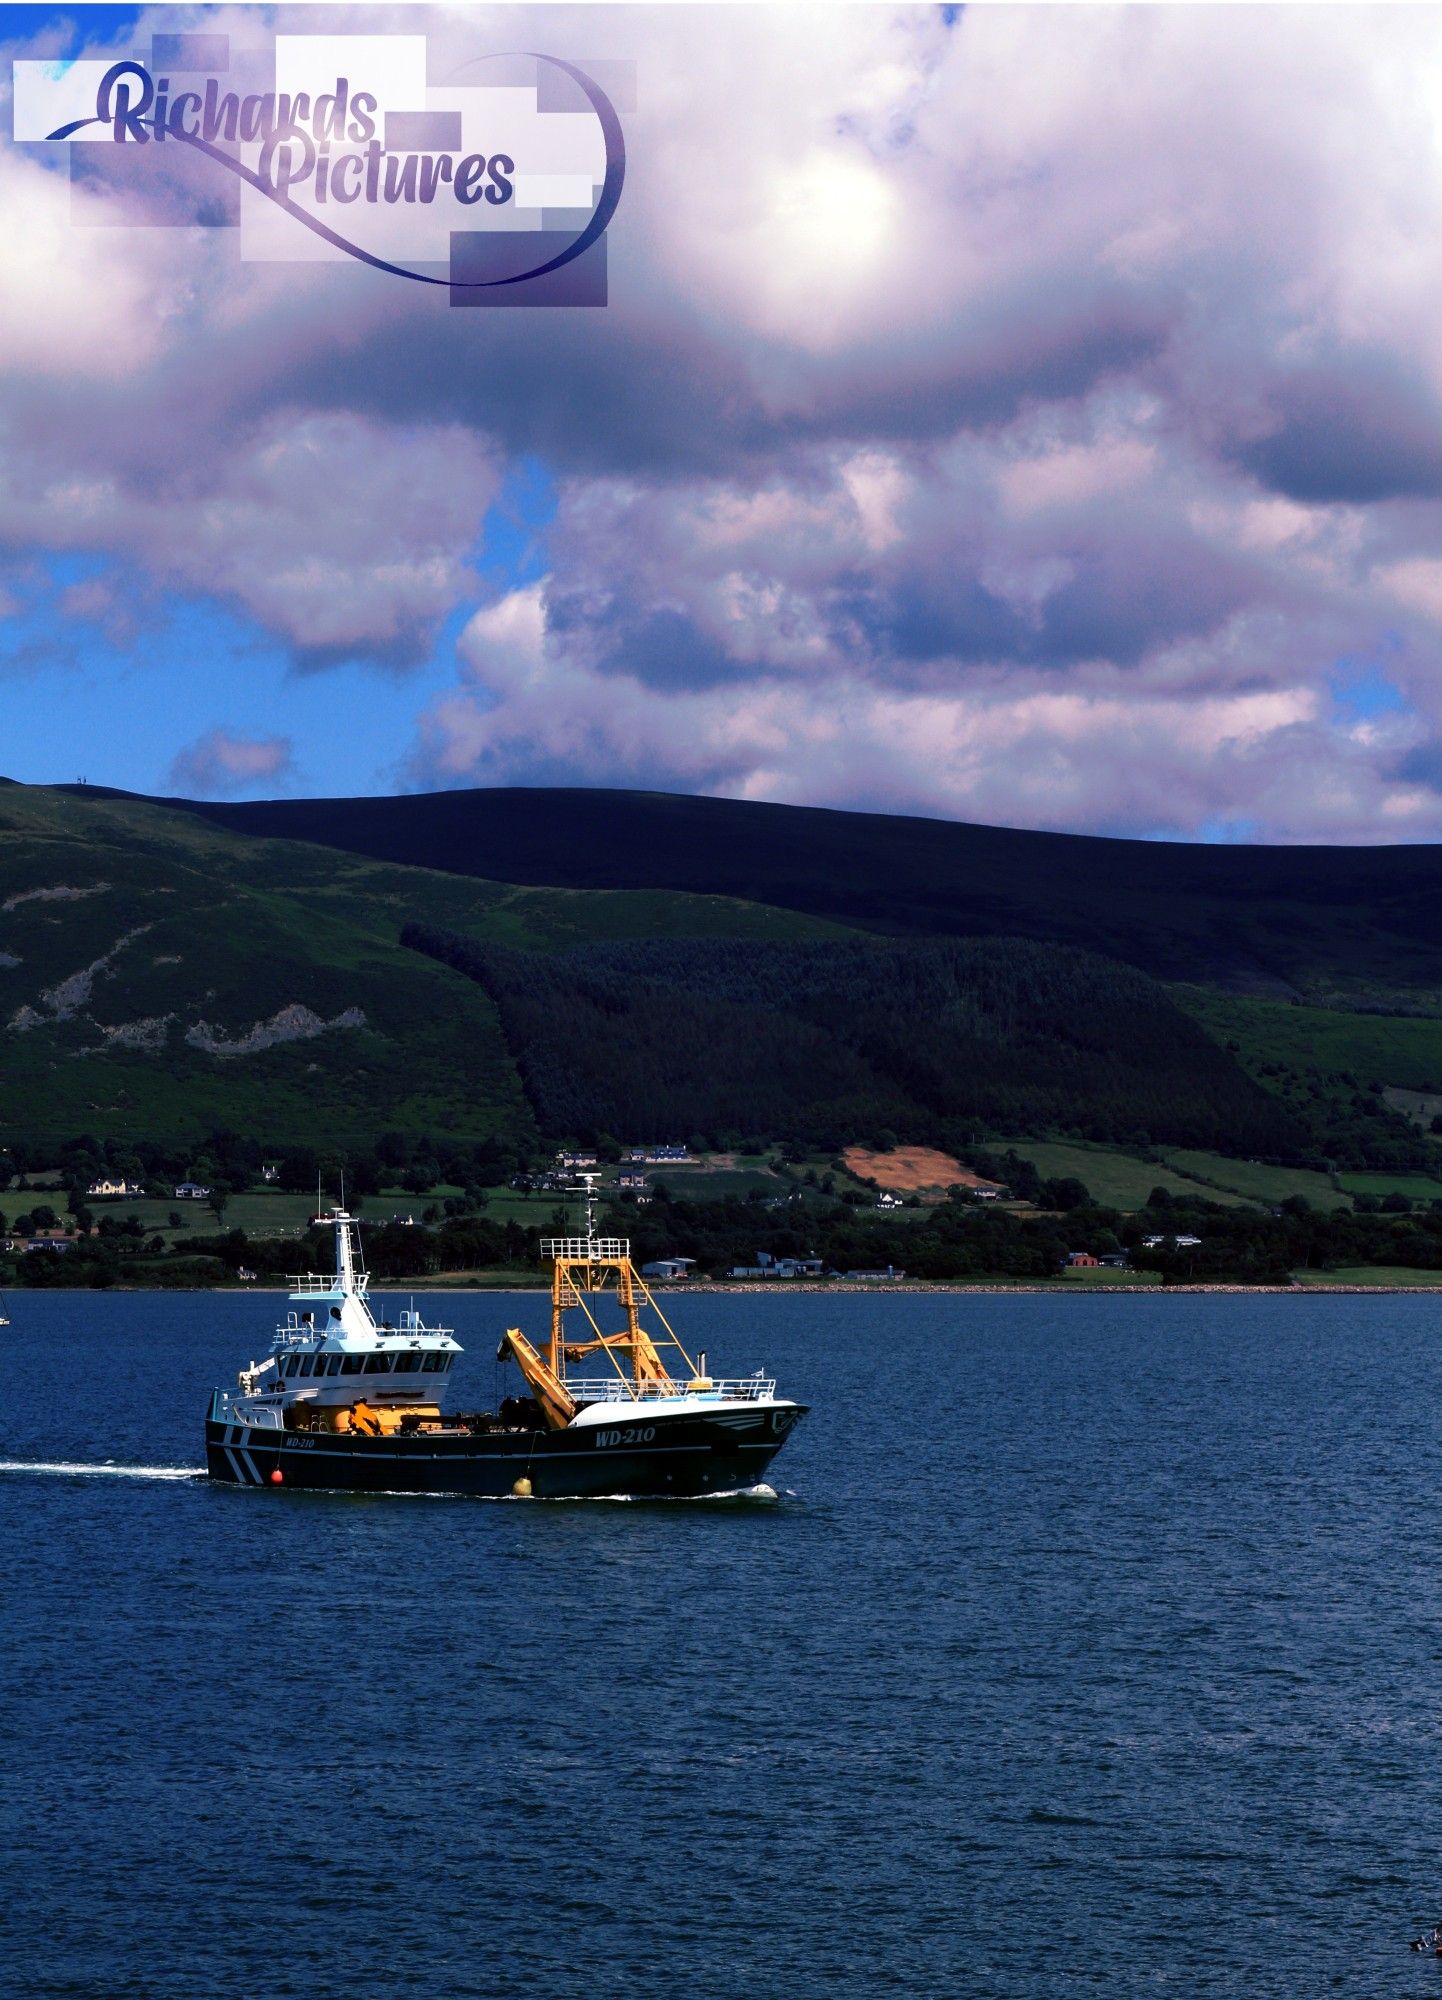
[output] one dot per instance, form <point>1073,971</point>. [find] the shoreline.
<point>992,1288</point>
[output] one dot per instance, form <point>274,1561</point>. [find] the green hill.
<point>1361,925</point>
<point>168,969</point>
<point>160,978</point>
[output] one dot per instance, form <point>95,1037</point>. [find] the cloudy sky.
<point>1031,415</point>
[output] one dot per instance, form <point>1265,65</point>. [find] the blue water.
<point>1094,1646</point>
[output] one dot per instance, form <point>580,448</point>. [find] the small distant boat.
<point>348,1404</point>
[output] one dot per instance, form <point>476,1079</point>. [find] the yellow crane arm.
<point>557,1406</point>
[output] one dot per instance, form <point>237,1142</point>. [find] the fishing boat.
<point>349,1402</point>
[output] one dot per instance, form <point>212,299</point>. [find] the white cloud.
<point>1016,419</point>
<point>223,762</point>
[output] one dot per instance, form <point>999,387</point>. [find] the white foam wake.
<point>106,1471</point>
<point>738,1496</point>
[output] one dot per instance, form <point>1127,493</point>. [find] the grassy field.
<point>1274,1184</point>
<point>682,1185</point>
<point>1121,1181</point>
<point>1380,1049</point>
<point>262,1212</point>
<point>1253,1181</point>
<point>1421,1187</point>
<point>1116,1180</point>
<point>1372,1274</point>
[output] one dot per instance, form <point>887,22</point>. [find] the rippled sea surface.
<point>1093,1646</point>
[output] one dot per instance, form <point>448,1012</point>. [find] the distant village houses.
<point>115,1187</point>
<point>630,1180</point>
<point>192,1191</point>
<point>656,1156</point>
<point>891,1274</point>
<point>575,1159</point>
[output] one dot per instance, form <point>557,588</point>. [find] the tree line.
<point>956,1239</point>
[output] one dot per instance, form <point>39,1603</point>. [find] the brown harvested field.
<point>908,1169</point>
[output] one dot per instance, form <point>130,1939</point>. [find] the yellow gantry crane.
<point>586,1271</point>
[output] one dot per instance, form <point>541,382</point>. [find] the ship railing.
<point>586,1249</point>
<point>320,1284</point>
<point>611,1389</point>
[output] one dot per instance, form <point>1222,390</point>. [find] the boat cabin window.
<point>307,1363</point>
<point>408,1364</point>
<point>329,1364</point>
<point>378,1364</point>
<point>352,1364</point>
<point>437,1364</point>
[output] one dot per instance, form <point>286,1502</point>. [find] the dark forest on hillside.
<point>935,1040</point>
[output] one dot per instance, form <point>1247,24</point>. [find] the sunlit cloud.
<point>1014,415</point>
<point>221,763</point>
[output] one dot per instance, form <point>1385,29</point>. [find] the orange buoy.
<point>277,1478</point>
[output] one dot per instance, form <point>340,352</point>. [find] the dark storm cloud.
<point>1365,430</point>
<point>1109,606</point>
<point>1421,766</point>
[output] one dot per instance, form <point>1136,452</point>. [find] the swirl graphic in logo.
<point>137,124</point>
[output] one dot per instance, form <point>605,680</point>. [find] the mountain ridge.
<point>1361,924</point>
<point>167,967</point>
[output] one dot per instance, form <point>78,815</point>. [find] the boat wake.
<point>108,1470</point>
<point>739,1496</point>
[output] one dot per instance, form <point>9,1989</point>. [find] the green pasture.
<point>1420,1187</point>
<point>1380,1049</point>
<point>1116,1180</point>
<point>1373,1274</point>
<point>1220,1178</point>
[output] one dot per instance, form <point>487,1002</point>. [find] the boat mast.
<point>344,1256</point>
